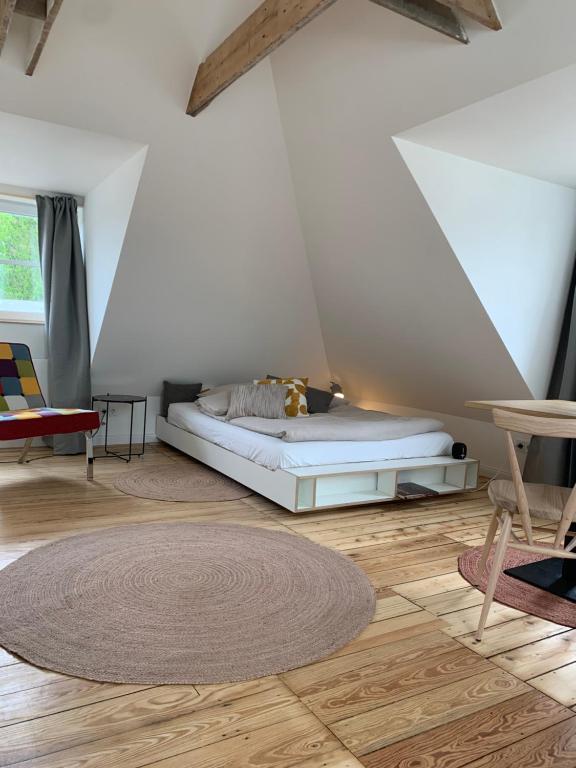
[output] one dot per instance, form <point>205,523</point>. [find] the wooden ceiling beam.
<point>483,11</point>
<point>430,13</point>
<point>271,24</point>
<point>52,9</point>
<point>6,13</point>
<point>35,9</point>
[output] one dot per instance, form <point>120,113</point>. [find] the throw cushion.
<point>318,400</point>
<point>252,400</point>
<point>177,393</point>
<point>296,403</point>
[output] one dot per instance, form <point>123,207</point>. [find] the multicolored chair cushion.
<point>23,411</point>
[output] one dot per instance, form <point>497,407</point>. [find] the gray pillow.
<point>318,399</point>
<point>266,401</point>
<point>177,393</point>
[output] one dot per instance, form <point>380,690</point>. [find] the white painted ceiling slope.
<point>213,281</point>
<point>402,318</point>
<point>529,129</point>
<point>47,156</point>
<point>283,179</point>
<point>515,238</point>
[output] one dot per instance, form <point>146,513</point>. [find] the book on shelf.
<point>414,491</point>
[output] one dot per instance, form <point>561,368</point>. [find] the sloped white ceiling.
<point>402,322</point>
<point>212,281</point>
<point>515,237</point>
<point>214,276</point>
<point>107,211</point>
<point>528,129</point>
<point>43,155</point>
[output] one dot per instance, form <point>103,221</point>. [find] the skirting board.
<point>304,489</point>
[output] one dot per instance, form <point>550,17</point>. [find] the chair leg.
<point>495,570</point>
<point>89,456</point>
<point>25,449</point>
<point>492,528</point>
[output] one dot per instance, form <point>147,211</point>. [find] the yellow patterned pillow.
<point>296,403</point>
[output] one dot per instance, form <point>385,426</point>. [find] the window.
<point>21,291</point>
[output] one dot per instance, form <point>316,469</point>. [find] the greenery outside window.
<point>21,289</point>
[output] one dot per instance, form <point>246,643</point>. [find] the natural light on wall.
<point>21,292</point>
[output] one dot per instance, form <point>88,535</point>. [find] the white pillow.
<point>215,403</point>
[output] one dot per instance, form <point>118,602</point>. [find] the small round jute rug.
<point>184,482</point>
<point>181,603</point>
<point>516,593</point>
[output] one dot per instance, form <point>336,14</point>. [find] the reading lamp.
<point>336,389</point>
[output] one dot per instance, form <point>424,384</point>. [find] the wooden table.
<point>563,409</point>
<point>555,574</point>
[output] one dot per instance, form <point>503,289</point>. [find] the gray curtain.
<point>552,460</point>
<point>66,311</point>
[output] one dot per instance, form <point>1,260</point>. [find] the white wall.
<point>107,210</point>
<point>515,237</point>
<point>485,442</point>
<point>401,320</point>
<point>213,281</point>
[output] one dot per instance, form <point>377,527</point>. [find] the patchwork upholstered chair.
<point>528,500</point>
<point>23,411</point>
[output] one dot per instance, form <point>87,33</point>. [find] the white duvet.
<point>273,453</point>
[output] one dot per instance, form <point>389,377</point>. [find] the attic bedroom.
<point>287,384</point>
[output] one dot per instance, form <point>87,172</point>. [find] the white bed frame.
<point>303,489</point>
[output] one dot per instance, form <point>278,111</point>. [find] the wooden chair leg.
<point>25,449</point>
<point>89,456</point>
<point>492,528</point>
<point>495,570</point>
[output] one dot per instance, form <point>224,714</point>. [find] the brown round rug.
<point>184,482</point>
<point>519,594</point>
<point>181,603</point>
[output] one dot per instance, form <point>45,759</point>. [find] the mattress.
<point>273,453</point>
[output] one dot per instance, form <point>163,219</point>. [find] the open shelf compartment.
<point>327,487</point>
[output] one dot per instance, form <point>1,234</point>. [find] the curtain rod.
<point>32,198</point>
<point>11,196</point>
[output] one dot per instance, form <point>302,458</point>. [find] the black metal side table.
<point>131,400</point>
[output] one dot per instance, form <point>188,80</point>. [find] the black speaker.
<point>459,451</point>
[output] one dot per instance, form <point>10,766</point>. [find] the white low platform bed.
<point>304,476</point>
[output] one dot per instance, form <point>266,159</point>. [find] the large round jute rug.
<point>183,482</point>
<point>181,603</point>
<point>516,593</point>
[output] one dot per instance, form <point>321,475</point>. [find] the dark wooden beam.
<point>483,11</point>
<point>271,24</point>
<point>35,9</point>
<point>6,13</point>
<point>52,9</point>
<point>431,14</point>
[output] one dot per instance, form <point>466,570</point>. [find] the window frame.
<point>19,206</point>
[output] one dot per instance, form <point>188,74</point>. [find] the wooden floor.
<point>413,690</point>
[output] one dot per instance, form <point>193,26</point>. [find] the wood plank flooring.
<point>414,690</point>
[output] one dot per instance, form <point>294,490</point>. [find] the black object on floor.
<point>556,575</point>
<point>548,575</point>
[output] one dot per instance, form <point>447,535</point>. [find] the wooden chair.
<point>23,411</point>
<point>527,499</point>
